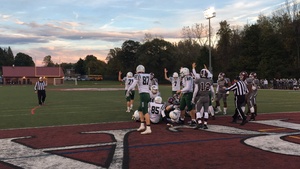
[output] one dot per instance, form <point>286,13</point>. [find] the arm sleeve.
<point>195,92</point>
<point>217,89</point>
<point>231,87</point>
<point>132,85</point>
<point>187,87</point>
<point>212,90</point>
<point>35,87</point>
<point>197,76</point>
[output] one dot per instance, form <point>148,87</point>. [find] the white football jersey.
<point>152,96</point>
<point>155,110</point>
<point>127,81</point>
<point>142,80</point>
<point>175,83</point>
<point>187,83</point>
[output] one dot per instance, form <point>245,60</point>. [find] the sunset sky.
<point>72,29</point>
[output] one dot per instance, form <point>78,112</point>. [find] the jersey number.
<point>145,80</point>
<point>204,86</point>
<point>154,110</point>
<point>130,81</point>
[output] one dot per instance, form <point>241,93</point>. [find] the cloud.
<point>9,40</point>
<point>5,17</point>
<point>72,29</point>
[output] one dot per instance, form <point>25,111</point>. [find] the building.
<point>24,75</point>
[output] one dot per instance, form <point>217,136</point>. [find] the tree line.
<point>269,47</point>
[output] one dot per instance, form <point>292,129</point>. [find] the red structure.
<point>24,75</point>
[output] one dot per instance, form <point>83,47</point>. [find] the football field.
<point>86,126</point>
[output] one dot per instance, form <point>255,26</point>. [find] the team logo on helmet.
<point>203,73</point>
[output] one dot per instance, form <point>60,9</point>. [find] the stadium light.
<point>208,14</point>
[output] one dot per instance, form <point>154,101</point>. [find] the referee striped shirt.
<point>40,85</point>
<point>239,88</point>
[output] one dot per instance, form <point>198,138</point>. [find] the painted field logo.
<point>25,157</point>
<point>16,153</point>
<point>266,141</point>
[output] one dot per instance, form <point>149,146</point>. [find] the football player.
<point>186,93</point>
<point>128,80</point>
<point>154,92</point>
<point>221,93</point>
<point>153,80</point>
<point>175,81</point>
<point>202,91</point>
<point>252,97</point>
<point>142,80</point>
<point>172,104</point>
<point>156,110</point>
<point>212,90</point>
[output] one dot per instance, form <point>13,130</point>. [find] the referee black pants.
<point>239,103</point>
<point>41,96</point>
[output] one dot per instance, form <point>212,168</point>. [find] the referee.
<point>240,90</point>
<point>39,88</point>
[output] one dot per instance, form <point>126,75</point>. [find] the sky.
<point>68,30</point>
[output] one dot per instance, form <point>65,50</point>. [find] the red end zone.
<point>273,141</point>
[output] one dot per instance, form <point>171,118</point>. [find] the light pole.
<point>208,14</point>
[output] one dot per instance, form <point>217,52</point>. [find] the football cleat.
<point>198,126</point>
<point>244,122</point>
<point>192,123</point>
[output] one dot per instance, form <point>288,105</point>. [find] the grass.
<point>82,107</point>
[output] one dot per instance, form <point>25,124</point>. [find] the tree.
<point>48,62</point>
<point>127,56</point>
<point>6,57</point>
<point>155,55</point>
<point>224,45</point>
<point>22,59</point>
<point>80,67</point>
<point>113,64</point>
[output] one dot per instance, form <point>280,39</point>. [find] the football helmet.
<point>203,73</point>
<point>221,76</point>
<point>243,75</point>
<point>252,75</point>
<point>140,69</point>
<point>175,75</point>
<point>154,89</point>
<point>184,71</point>
<point>136,115</point>
<point>171,100</point>
<point>158,100</point>
<point>129,74</point>
<point>174,115</point>
<point>151,75</point>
